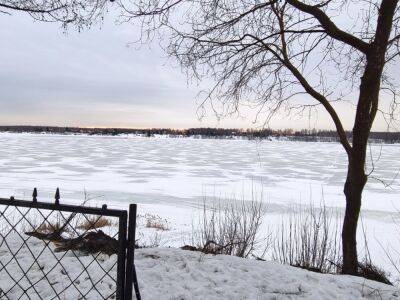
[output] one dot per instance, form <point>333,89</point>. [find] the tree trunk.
<point>353,189</point>
<point>367,108</point>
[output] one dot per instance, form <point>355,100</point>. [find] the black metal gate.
<point>60,251</point>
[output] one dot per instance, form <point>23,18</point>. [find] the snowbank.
<point>169,273</point>
<point>177,274</point>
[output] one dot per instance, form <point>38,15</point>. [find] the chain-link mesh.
<point>53,254</point>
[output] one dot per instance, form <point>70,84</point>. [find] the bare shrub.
<point>370,271</point>
<point>392,250</point>
<point>230,228</point>
<point>309,239</point>
<point>366,268</point>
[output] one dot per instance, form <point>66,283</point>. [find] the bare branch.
<point>330,28</point>
<point>79,13</point>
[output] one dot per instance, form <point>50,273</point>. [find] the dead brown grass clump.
<point>94,222</point>
<point>49,227</point>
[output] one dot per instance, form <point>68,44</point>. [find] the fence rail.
<point>63,251</point>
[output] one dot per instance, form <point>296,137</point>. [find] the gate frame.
<point>126,272</point>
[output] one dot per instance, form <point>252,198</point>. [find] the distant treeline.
<point>290,134</point>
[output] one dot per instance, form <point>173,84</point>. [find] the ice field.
<point>180,170</point>
<point>170,177</point>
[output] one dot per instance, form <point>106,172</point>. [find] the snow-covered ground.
<point>50,274</point>
<point>169,177</point>
<point>166,273</point>
<point>178,274</point>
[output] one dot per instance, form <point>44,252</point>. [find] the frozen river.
<point>181,171</point>
<point>170,176</point>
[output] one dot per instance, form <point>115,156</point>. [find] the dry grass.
<point>366,268</point>
<point>49,227</point>
<point>392,250</point>
<point>156,222</point>
<point>369,271</point>
<point>59,224</point>
<point>150,241</point>
<point>94,222</point>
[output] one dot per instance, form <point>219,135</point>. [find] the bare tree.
<point>289,55</point>
<point>81,13</point>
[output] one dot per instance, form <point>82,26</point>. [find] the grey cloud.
<point>40,66</point>
<point>92,78</point>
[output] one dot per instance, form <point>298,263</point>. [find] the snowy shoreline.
<point>167,273</point>
<point>282,138</point>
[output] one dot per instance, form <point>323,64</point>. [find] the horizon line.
<point>176,129</point>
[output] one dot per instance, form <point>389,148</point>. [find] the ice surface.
<point>125,169</point>
<point>170,176</point>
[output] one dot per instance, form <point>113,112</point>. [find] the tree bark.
<point>353,189</point>
<point>356,177</point>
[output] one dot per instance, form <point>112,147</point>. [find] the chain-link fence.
<point>56,251</point>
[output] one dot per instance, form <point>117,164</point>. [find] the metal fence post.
<point>121,257</point>
<point>34,195</point>
<point>131,279</point>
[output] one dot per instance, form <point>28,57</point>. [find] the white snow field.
<point>167,273</point>
<point>178,274</point>
<point>169,178</point>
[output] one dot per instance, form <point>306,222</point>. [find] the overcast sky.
<point>92,78</point>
